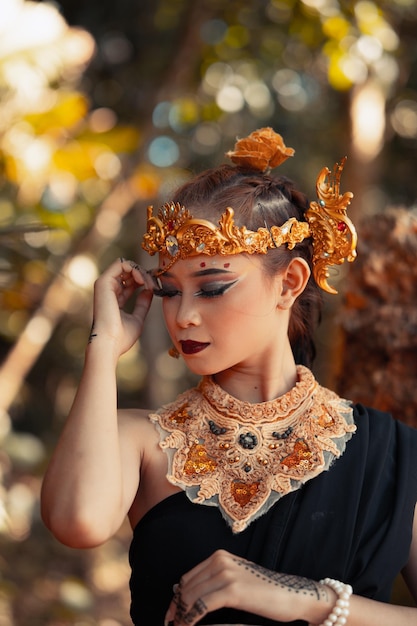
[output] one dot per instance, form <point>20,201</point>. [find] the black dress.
<point>352,523</point>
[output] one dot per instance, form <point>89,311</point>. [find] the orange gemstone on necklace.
<point>181,415</point>
<point>244,492</point>
<point>198,461</point>
<point>300,453</point>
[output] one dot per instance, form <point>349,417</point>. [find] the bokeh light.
<point>163,151</point>
<point>82,270</point>
<point>404,118</point>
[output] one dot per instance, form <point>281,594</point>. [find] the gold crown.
<point>175,232</point>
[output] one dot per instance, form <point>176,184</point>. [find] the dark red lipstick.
<point>192,347</point>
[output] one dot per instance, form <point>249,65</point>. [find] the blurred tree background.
<point>104,108</point>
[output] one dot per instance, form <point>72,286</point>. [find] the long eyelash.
<point>212,293</point>
<point>162,293</point>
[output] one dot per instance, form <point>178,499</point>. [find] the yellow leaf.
<point>70,109</point>
<point>10,169</point>
<point>77,158</point>
<point>337,27</point>
<point>337,78</point>
<point>118,139</point>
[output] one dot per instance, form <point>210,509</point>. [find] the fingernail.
<point>155,280</point>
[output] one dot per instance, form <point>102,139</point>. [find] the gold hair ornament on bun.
<point>176,233</point>
<point>263,150</point>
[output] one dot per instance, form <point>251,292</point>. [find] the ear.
<point>294,280</point>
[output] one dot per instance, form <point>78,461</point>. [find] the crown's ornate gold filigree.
<point>176,233</point>
<point>262,150</point>
<point>334,235</point>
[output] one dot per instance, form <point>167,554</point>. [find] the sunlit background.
<point>106,107</point>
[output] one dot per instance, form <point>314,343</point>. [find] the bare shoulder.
<point>140,440</point>
<point>135,423</point>
<point>134,415</point>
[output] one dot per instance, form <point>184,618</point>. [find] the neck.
<point>268,381</point>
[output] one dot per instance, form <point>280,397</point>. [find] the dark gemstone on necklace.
<point>216,430</point>
<point>248,440</point>
<point>283,435</point>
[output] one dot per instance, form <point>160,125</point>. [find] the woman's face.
<point>222,312</point>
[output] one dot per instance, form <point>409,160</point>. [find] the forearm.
<point>365,612</point>
<point>82,490</point>
<point>313,602</point>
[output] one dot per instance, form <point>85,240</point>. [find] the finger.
<point>129,277</point>
<point>149,280</point>
<point>206,599</point>
<point>207,569</point>
<point>116,277</point>
<point>190,616</point>
<point>198,582</point>
<point>124,288</point>
<point>170,614</point>
<point>209,583</point>
<point>188,603</point>
<point>142,304</point>
<point>139,276</point>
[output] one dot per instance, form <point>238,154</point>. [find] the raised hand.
<point>112,290</point>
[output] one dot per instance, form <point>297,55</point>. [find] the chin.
<point>200,369</point>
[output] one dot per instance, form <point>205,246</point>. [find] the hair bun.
<point>262,150</point>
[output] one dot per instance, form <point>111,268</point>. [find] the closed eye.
<point>214,292</point>
<point>206,292</point>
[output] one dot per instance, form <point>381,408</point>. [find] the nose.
<point>187,313</point>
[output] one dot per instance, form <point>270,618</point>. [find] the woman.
<point>253,495</point>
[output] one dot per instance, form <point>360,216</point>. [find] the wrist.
<point>102,346</point>
<point>338,594</point>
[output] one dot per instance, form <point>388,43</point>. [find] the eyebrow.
<point>209,271</point>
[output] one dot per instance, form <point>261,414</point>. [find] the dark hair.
<point>261,200</point>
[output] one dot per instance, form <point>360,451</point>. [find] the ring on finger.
<point>122,280</point>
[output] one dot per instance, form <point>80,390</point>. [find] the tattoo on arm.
<point>295,584</point>
<point>92,333</point>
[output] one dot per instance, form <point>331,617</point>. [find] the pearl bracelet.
<point>340,612</point>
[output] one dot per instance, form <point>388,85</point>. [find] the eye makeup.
<point>165,283</point>
<point>217,289</point>
<point>209,290</point>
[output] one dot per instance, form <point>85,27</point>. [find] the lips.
<point>192,347</point>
